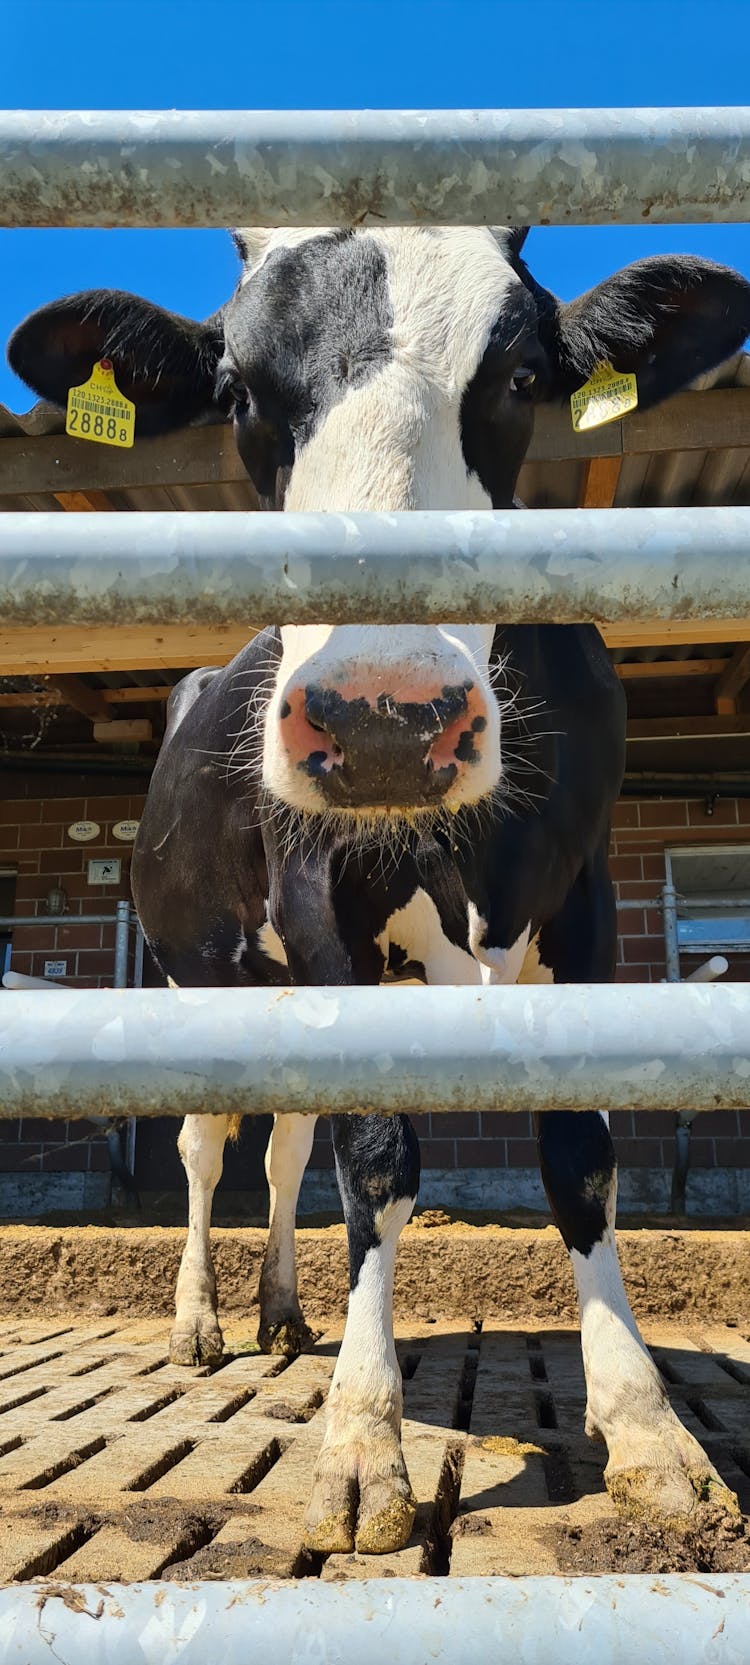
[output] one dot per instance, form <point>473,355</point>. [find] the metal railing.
<point>317,1049</point>
<point>341,167</point>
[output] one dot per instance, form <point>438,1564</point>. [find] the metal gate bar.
<point>573,1621</point>
<point>448,167</point>
<point>153,1052</point>
<point>509,567</point>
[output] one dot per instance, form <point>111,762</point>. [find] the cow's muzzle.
<point>384,753</point>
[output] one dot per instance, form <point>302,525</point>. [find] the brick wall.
<point>60,1164</point>
<point>34,841</point>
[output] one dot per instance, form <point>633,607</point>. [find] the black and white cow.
<point>341,803</point>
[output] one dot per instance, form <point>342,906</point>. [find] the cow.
<point>341,804</point>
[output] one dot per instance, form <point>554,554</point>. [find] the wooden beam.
<point>733,680</point>
<point>207,456</point>
<point>119,729</point>
<point>77,694</point>
<point>688,728</point>
<point>599,482</point>
<point>673,632</point>
<point>654,670</point>
<point>84,502</point>
<point>111,696</point>
<point>44,651</point>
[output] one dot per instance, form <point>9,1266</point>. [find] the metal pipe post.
<point>361,1050</point>
<point>122,940</point>
<point>507,567</point>
<point>343,168</point>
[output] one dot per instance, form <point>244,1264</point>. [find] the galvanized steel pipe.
<point>341,168</point>
<point>672,1619</point>
<point>153,1052</point>
<point>508,567</point>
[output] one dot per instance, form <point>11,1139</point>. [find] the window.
<point>713,897</point>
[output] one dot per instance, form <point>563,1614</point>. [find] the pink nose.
<point>382,750</point>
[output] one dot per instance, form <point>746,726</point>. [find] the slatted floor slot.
<point>115,1464</point>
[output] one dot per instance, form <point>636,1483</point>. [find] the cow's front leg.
<point>196,1337</point>
<point>656,1469</point>
<point>361,1493</point>
<point>282,1328</point>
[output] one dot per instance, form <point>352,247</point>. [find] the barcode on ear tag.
<point>98,411</point>
<point>605,397</point>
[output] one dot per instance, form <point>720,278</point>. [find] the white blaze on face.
<point>394,443</point>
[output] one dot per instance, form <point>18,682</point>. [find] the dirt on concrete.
<point>500,1271</point>
<point>714,1543</point>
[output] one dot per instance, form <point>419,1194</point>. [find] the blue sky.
<point>334,54</point>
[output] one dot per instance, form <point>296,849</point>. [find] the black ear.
<point>668,318</point>
<point>164,363</point>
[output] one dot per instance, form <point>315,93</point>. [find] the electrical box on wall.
<point>105,871</point>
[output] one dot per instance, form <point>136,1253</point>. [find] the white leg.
<point>656,1468</point>
<point>282,1327</point>
<point>361,1494</point>
<point>196,1337</point>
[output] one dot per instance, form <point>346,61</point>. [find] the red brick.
<point>421,1124</point>
<point>62,863</point>
<point>625,813</point>
<point>456,1125</point>
<point>42,1128</point>
<point>654,1124</point>
<point>8,1131</point>
<point>66,810</point>
<point>40,838</point>
<point>719,1124</point>
<point>631,922</point>
<point>639,1153</point>
<point>633,974</point>
<point>621,1124</point>
<point>664,812</point>
<point>69,1159</point>
<point>654,921</point>
<point>99,1162</point>
<point>19,1159</point>
<point>702,1152</point>
<point>743,810</point>
<point>723,813</point>
<point>654,868</point>
<point>522,1153</point>
<point>10,843</point>
<point>30,937</point>
<point>76,937</point>
<point>322,1157</point>
<point>506,1124</point>
<point>438,1153</point>
<point>644,950</point>
<point>625,867</point>
<point>106,809</point>
<point>482,1153</point>
<point>636,890</point>
<point>733,1153</point>
<point>95,963</point>
<point>20,810</point>
<point>745,1123</point>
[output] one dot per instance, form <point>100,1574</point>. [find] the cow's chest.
<point>414,944</point>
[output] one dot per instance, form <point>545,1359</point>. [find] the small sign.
<point>55,968</point>
<point>125,831</point>
<point>97,410</point>
<point>105,872</point>
<point>82,832</point>
<point>605,397</point>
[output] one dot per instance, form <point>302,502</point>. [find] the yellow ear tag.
<point>97,410</point>
<point>605,397</point>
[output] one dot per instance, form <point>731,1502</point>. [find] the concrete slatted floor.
<point>115,1464</point>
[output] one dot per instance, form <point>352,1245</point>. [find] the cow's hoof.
<point>350,1508</point>
<point>331,1515</point>
<point>289,1336</point>
<point>670,1496</point>
<point>386,1516</point>
<point>199,1343</point>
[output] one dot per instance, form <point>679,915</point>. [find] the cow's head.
<point>386,369</point>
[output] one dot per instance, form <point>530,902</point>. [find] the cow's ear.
<point>164,363</point>
<point>668,318</point>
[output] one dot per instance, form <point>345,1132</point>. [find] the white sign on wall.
<point>104,872</point>
<point>125,831</point>
<point>55,968</point>
<point>82,832</point>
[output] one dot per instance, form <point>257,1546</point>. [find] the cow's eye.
<point>522,381</point>
<point>238,394</point>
